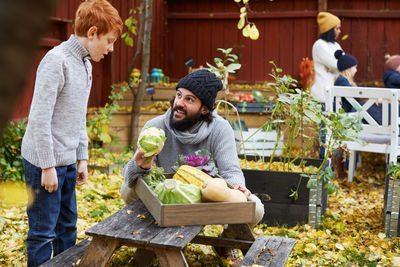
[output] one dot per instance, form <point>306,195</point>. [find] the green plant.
<point>223,66</point>
<point>131,25</point>
<point>293,112</point>
<point>394,170</point>
<point>10,151</point>
<point>97,124</point>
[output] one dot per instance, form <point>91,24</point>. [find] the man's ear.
<point>92,32</point>
<point>204,110</point>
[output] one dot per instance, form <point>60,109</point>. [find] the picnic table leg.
<point>99,252</point>
<point>143,257</point>
<point>237,231</point>
<point>171,257</point>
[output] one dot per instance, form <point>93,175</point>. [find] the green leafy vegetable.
<point>154,176</point>
<point>151,141</point>
<point>172,191</point>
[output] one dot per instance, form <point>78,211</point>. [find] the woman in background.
<point>324,60</point>
<point>323,50</point>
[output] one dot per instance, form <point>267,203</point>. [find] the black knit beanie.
<point>345,61</point>
<point>204,84</point>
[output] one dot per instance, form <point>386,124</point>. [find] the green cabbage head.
<point>151,141</point>
<point>172,191</point>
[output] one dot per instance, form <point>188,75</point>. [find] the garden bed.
<point>274,188</point>
<point>253,107</point>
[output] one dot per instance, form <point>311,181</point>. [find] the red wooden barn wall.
<point>288,30</point>
<point>113,68</point>
<point>183,28</point>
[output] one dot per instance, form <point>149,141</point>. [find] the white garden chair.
<point>378,138</point>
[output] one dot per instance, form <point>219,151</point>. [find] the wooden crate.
<point>166,93</point>
<point>162,93</point>
<point>252,120</point>
<point>195,214</point>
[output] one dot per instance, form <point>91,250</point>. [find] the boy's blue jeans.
<point>52,216</point>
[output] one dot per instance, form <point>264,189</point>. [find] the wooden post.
<point>322,5</point>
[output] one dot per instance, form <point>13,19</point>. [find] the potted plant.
<point>297,187</point>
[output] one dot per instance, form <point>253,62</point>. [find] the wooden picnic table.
<point>134,226</point>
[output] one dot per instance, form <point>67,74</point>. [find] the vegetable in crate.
<point>154,176</point>
<point>202,160</point>
<point>191,175</point>
<point>151,141</point>
<point>216,189</point>
<point>172,191</point>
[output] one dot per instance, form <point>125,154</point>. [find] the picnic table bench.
<point>134,226</point>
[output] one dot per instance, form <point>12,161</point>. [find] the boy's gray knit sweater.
<point>217,137</point>
<point>56,132</point>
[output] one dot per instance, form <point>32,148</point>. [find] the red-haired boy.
<point>56,137</point>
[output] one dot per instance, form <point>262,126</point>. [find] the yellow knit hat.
<point>326,21</point>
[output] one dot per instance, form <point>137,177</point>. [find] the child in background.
<point>347,66</point>
<point>391,76</point>
<point>55,145</point>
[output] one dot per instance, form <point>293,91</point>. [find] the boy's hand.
<point>143,162</point>
<point>82,172</point>
<point>243,189</point>
<point>49,179</point>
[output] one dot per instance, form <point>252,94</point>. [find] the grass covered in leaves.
<point>352,232</point>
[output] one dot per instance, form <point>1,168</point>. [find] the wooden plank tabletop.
<point>135,225</point>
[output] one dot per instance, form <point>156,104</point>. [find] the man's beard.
<point>186,123</point>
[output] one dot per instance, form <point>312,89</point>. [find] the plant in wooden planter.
<point>297,194</point>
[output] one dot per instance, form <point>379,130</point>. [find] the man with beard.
<point>192,124</point>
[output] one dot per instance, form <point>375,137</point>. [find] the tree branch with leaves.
<point>249,29</point>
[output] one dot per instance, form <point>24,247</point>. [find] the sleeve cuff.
<point>82,153</point>
<point>132,172</point>
<point>46,160</point>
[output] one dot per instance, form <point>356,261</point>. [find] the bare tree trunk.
<point>22,24</point>
<point>144,70</point>
<point>137,53</point>
<point>139,44</point>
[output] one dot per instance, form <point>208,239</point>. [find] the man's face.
<point>186,110</point>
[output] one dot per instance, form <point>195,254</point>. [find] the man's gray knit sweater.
<point>217,137</point>
<point>56,132</point>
